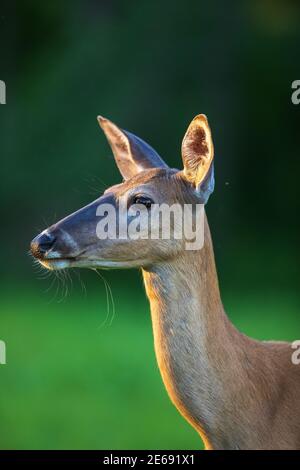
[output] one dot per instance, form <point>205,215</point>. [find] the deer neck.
<point>194,340</point>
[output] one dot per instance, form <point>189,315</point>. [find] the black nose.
<point>41,244</point>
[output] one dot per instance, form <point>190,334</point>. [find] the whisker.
<point>96,184</point>
<point>83,288</point>
<point>109,299</point>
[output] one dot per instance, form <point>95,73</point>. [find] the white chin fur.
<point>57,264</point>
<point>86,263</point>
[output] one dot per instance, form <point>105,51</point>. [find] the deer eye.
<point>145,201</point>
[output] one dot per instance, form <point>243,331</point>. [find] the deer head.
<point>148,181</point>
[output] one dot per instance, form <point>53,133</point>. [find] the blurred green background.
<point>76,377</point>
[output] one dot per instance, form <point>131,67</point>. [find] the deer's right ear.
<point>131,153</point>
<point>197,156</point>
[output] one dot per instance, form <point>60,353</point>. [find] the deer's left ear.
<point>197,156</point>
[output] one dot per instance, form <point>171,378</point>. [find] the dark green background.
<point>74,380</point>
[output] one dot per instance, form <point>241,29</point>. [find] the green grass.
<point>71,383</point>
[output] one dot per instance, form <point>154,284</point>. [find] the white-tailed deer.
<point>238,393</point>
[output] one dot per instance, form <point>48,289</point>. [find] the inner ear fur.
<point>197,150</point>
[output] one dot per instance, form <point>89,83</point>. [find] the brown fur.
<point>237,392</point>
